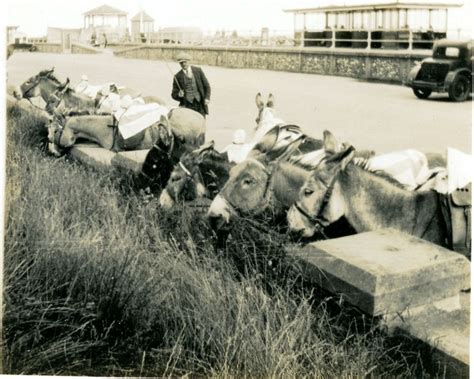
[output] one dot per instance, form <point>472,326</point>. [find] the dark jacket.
<point>202,85</point>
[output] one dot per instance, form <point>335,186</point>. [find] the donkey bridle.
<point>265,193</point>
<point>34,83</point>
<point>319,219</point>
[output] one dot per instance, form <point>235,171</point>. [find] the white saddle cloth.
<point>409,167</point>
<point>89,90</point>
<point>460,169</point>
<point>138,117</point>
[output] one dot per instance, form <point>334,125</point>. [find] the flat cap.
<point>183,57</point>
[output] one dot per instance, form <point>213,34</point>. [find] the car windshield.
<point>447,52</point>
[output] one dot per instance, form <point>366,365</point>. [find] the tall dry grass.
<point>97,281</point>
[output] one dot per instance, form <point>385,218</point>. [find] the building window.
<point>357,20</point>
<point>379,19</point>
<point>402,20</point>
<point>343,20</point>
<point>299,21</point>
<point>418,19</point>
<point>332,23</point>
<point>438,19</point>
<point>315,21</point>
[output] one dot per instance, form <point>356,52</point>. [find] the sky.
<point>33,16</point>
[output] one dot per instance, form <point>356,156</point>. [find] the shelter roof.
<point>104,10</point>
<point>403,4</point>
<point>144,15</point>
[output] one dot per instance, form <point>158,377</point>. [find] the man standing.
<point>190,86</point>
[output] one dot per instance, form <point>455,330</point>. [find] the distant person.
<point>190,86</point>
<point>105,41</point>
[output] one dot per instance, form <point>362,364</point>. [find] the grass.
<point>98,281</point>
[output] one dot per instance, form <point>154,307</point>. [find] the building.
<point>400,24</point>
<point>181,35</point>
<point>14,35</point>
<point>104,20</point>
<point>64,36</point>
<point>142,27</point>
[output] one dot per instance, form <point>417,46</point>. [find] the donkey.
<point>199,173</point>
<point>257,188</point>
<point>46,85</point>
<point>185,124</point>
<point>203,172</point>
<point>368,200</point>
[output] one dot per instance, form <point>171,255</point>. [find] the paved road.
<point>370,115</point>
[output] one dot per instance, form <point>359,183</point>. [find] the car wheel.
<point>422,93</point>
<point>459,88</point>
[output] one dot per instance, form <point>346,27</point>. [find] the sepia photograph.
<point>237,189</point>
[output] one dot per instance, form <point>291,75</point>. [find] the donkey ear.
<point>331,145</point>
<point>267,142</point>
<point>64,87</point>
<point>270,101</point>
<point>347,157</point>
<point>166,126</point>
<point>163,121</point>
<point>203,149</point>
<point>259,101</point>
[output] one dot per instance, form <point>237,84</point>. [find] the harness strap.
<point>317,224</point>
<point>33,84</point>
<point>57,135</point>
<point>183,167</point>
<point>267,195</point>
<point>458,224</point>
<point>114,127</point>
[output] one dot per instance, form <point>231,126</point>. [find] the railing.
<point>390,39</point>
<point>369,39</point>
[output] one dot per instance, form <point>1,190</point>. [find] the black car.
<point>448,70</point>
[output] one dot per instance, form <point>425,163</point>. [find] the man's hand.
<point>181,93</point>
<point>207,101</point>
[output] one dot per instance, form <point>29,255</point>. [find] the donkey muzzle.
<point>219,213</point>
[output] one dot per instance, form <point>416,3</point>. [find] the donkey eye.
<point>247,181</point>
<point>175,179</point>
<point>308,192</point>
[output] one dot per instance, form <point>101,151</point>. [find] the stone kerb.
<point>98,157</point>
<point>417,287</point>
<point>385,271</point>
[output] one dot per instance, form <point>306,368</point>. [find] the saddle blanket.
<point>90,90</point>
<point>409,167</point>
<point>138,117</point>
<point>238,150</point>
<point>460,169</point>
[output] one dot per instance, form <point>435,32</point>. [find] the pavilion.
<point>402,24</point>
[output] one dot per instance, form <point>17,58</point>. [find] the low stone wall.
<point>77,48</point>
<point>49,47</point>
<point>387,66</point>
<point>122,46</point>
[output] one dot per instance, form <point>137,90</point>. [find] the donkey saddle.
<point>456,209</point>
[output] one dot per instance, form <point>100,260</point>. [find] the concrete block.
<point>384,271</point>
<point>92,155</point>
<point>130,160</point>
<point>446,331</point>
